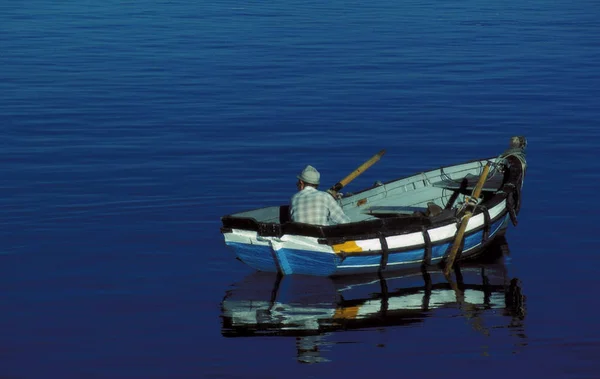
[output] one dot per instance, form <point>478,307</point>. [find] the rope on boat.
<point>511,205</point>
<point>516,150</point>
<point>513,191</point>
<point>487,224</point>
<point>459,240</point>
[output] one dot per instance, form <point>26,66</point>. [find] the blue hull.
<point>306,262</point>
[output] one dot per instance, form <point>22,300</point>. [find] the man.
<point>312,206</point>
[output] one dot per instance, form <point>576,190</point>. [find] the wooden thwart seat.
<point>491,184</point>
<point>391,209</point>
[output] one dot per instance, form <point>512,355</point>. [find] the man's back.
<point>315,207</point>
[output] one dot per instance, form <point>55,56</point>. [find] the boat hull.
<point>271,255</point>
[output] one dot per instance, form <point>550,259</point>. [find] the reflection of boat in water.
<point>265,304</point>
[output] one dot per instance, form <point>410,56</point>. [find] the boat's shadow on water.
<point>310,308</point>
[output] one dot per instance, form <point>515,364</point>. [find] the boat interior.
<point>433,194</point>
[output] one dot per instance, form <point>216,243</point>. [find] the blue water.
<point>129,128</point>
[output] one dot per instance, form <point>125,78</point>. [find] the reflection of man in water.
<point>307,348</point>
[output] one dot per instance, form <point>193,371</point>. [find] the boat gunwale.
<point>336,234</point>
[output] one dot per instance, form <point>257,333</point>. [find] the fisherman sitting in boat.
<point>312,206</point>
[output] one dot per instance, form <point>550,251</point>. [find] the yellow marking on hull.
<point>347,247</point>
<point>348,313</point>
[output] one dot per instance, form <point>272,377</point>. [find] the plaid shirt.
<point>315,207</point>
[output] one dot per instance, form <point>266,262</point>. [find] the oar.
<point>344,182</point>
<point>465,220</point>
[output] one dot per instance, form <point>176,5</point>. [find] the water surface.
<point>129,129</point>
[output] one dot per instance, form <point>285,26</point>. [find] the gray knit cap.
<point>310,175</point>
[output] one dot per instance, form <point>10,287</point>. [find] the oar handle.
<point>344,182</point>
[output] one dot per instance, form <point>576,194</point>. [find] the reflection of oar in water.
<point>342,183</point>
<point>465,220</point>
<point>471,311</point>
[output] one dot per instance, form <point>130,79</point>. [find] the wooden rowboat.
<point>434,217</point>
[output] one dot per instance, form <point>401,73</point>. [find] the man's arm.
<point>336,213</point>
